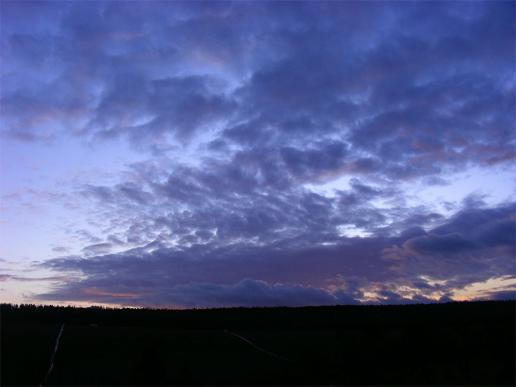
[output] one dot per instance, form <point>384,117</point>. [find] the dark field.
<point>446,344</point>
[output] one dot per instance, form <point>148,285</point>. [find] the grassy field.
<point>452,344</point>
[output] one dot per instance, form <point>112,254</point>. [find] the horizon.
<point>114,308</point>
<point>257,154</point>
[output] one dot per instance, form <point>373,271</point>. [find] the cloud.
<point>448,244</point>
<point>249,293</point>
<point>98,248</point>
<point>246,292</point>
<point>10,277</point>
<point>273,80</point>
<point>243,115</point>
<point>415,266</point>
<point>148,109</point>
<point>504,295</point>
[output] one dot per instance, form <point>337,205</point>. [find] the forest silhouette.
<point>433,344</point>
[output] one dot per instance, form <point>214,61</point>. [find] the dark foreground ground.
<point>446,344</point>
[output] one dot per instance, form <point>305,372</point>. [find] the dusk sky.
<point>205,154</point>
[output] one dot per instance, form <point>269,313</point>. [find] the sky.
<point>217,154</point>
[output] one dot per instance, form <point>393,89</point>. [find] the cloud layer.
<point>246,113</point>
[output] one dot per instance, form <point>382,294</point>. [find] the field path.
<point>56,346</point>
<point>275,355</point>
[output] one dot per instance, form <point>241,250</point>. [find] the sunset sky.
<point>204,154</point>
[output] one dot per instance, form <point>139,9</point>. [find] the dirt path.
<point>275,355</point>
<point>56,347</point>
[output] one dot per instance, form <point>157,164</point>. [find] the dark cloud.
<point>448,244</point>
<point>463,248</point>
<point>308,269</point>
<point>249,293</point>
<point>503,295</point>
<point>179,105</point>
<point>314,163</point>
<point>405,99</point>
